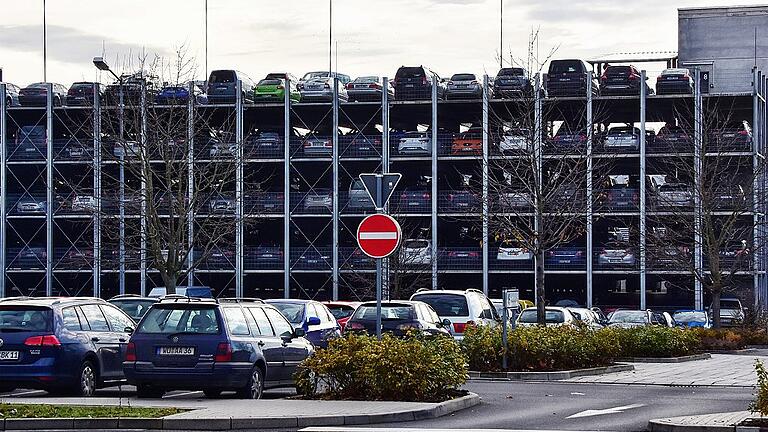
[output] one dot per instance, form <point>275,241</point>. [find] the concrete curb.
<point>550,376</point>
<point>683,359</point>
<point>231,423</point>
<point>722,422</point>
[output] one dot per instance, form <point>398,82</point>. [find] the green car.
<point>273,90</point>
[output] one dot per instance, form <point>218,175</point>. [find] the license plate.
<point>413,203</point>
<point>221,88</point>
<point>564,79</point>
<point>178,351</point>
<point>267,255</point>
<point>9,355</point>
<point>409,85</point>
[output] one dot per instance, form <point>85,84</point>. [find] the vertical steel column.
<point>486,155</point>
<point>191,183</point>
<point>335,180</point>
<point>147,158</point>
<point>97,192</point>
<point>755,184</point>
<point>589,198</point>
<point>239,189</point>
<point>538,156</point>
<point>3,184</point>
<point>433,229</point>
<point>287,191</point>
<point>385,169</point>
<point>698,145</point>
<point>643,107</point>
<point>121,240</point>
<point>49,190</point>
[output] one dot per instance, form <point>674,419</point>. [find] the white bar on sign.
<point>378,236</point>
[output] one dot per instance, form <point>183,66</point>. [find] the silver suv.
<point>460,308</point>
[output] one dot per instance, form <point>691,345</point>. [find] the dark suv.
<point>415,82</point>
<point>222,85</point>
<point>622,80</point>
<point>185,343</point>
<point>569,78</point>
<point>63,345</point>
<point>512,82</point>
<point>81,93</point>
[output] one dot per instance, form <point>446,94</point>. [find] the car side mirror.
<point>128,330</point>
<point>446,323</point>
<point>313,321</point>
<point>297,333</point>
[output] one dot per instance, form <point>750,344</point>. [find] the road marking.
<point>378,236</point>
<point>364,429</point>
<point>25,393</point>
<point>615,410</point>
<point>181,394</point>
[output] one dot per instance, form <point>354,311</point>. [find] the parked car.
<point>222,205</point>
<point>670,256</point>
<point>515,200</point>
<point>37,94</point>
<point>468,142</point>
<point>464,86</point>
<point>565,256</point>
<point>397,318</point>
<point>318,86</point>
<point>570,78</point>
<point>133,305</point>
<point>672,194</point>
<point>222,87</point>
<point>81,93</point>
<point>30,257</point>
<point>313,259</point>
<point>313,317</point>
<point>416,252</point>
<point>414,200</point>
<point>731,311</point>
<point>317,145</point>
<point>509,252</point>
<point>183,291</point>
<point>625,318</point>
<point>31,205</point>
<point>70,345</point>
<point>282,76</point>
<point>214,345</point>
<point>415,82</point>
<point>77,257</point>
<point>554,316</point>
<point>735,135</point>
<point>11,95</point>
<point>84,203</point>
<point>460,308</point>
<point>671,137</point>
<point>273,90</point>
<point>692,318</point>
<point>266,256</point>
<point>516,141</point>
<point>462,257</point>
<point>512,82</point>
<point>616,256</point>
<point>415,143</point>
<point>368,88</point>
<point>179,94</point>
<point>318,199</point>
<point>358,197</point>
<point>586,317</point>
<point>618,194</point>
<point>131,87</point>
<point>622,80</point>
<point>31,141</point>
<point>342,311</point>
<point>366,142</point>
<point>674,81</point>
<point>465,200</point>
<point>622,138</point>
<point>567,138</point>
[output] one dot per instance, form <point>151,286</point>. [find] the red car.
<point>342,311</point>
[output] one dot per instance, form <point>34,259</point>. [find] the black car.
<point>512,82</point>
<point>269,257</point>
<point>622,80</point>
<point>63,345</point>
<point>398,318</point>
<point>82,93</point>
<point>130,85</point>
<point>674,81</point>
<point>671,137</point>
<point>222,86</point>
<point>569,78</point>
<point>37,94</point>
<point>735,135</point>
<point>415,82</point>
<point>11,95</point>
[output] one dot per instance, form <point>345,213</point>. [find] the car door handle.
<point>261,343</point>
<point>122,339</point>
<point>95,339</point>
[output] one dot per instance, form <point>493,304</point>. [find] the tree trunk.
<point>169,282</point>
<point>716,307</point>
<point>541,315</point>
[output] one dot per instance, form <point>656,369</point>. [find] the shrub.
<point>360,367</point>
<point>654,341</point>
<point>719,339</point>
<point>760,404</point>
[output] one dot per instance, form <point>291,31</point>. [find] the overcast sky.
<point>373,36</point>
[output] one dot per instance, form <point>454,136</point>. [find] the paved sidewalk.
<point>699,423</point>
<point>721,370</point>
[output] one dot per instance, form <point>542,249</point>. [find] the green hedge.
<point>654,341</point>
<point>359,367</point>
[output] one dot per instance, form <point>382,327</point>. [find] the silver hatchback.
<point>464,86</point>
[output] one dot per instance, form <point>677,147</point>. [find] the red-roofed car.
<point>342,310</point>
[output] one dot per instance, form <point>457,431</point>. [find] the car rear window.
<point>729,304</point>
<point>463,77</point>
<point>223,76</point>
<point>632,317</point>
<point>618,69</point>
<point>174,319</point>
<point>688,317</point>
<point>25,318</point>
<point>562,66</point>
<point>294,312</point>
<point>552,316</point>
<point>446,305</point>
<point>511,72</point>
<point>388,312</point>
<point>266,82</point>
<point>341,311</point>
<point>674,187</point>
<point>410,72</point>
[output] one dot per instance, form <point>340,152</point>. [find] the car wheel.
<point>212,393</point>
<point>86,383</point>
<point>148,392</point>
<point>255,386</point>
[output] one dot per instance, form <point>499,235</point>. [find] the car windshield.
<point>690,317</point>
<point>134,308</point>
<point>222,76</point>
<point>367,79</point>
<point>313,75</point>
<point>511,72</point>
<point>388,312</point>
<point>25,318</point>
<point>621,130</point>
<point>631,317</point>
<point>170,319</point>
<point>446,305</point>
<point>409,72</point>
<point>270,82</point>
<point>552,316</point>
<point>341,311</point>
<point>357,185</point>
<point>463,77</point>
<point>294,312</point>
<point>730,304</point>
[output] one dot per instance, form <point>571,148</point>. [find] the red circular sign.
<point>378,235</point>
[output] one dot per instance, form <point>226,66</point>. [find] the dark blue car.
<point>173,95</point>
<point>313,317</point>
<point>692,318</point>
<point>213,345</point>
<point>62,345</point>
<point>565,256</point>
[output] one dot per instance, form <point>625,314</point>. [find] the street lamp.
<point>103,66</point>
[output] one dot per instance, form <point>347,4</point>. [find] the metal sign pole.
<point>379,261</point>
<point>505,317</point>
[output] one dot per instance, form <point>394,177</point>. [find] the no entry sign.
<point>378,235</point>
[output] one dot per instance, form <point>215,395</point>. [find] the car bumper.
<point>204,375</point>
<point>268,97</point>
<point>464,93</point>
<point>221,99</point>
<point>619,89</point>
<point>38,375</point>
<point>318,96</point>
<point>508,91</point>
<point>364,95</point>
<point>674,87</point>
<point>413,150</point>
<point>33,100</point>
<point>79,100</point>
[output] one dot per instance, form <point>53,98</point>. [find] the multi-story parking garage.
<point>297,180</point>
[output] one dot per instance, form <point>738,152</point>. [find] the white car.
<point>415,143</point>
<point>223,149</point>
<point>460,308</point>
<point>515,141</point>
<point>84,203</point>
<point>555,316</point>
<point>130,149</point>
<point>510,253</point>
<point>416,252</point>
<point>586,316</point>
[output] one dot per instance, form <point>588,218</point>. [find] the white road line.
<point>615,410</point>
<point>378,236</point>
<point>181,394</point>
<point>365,429</point>
<point>25,393</point>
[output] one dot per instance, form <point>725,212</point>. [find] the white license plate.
<point>9,355</point>
<point>179,351</point>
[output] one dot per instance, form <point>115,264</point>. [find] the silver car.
<point>358,197</point>
<point>318,199</point>
<point>464,86</point>
<point>86,203</point>
<point>623,137</point>
<point>416,252</point>
<point>31,206</point>
<point>515,141</point>
<point>222,205</point>
<point>620,257</point>
<point>318,86</point>
<point>416,143</point>
<point>674,195</point>
<point>318,146</point>
<point>368,88</point>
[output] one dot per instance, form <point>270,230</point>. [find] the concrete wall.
<point>722,41</point>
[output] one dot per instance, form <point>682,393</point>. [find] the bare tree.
<point>706,197</point>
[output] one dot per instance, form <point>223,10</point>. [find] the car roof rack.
<point>239,300</point>
<point>122,296</point>
<point>175,298</point>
